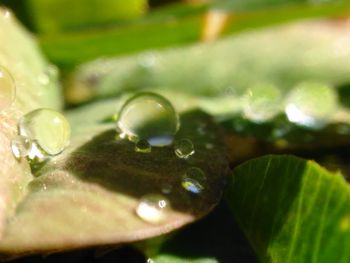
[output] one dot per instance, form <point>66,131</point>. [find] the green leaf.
<point>292,210</point>
<point>68,50</point>
<point>51,17</point>
<point>217,238</point>
<point>88,195</point>
<point>20,55</point>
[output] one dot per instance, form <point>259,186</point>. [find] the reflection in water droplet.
<point>311,104</point>
<point>194,180</point>
<point>148,116</point>
<point>143,146</point>
<point>184,148</point>
<point>262,102</point>
<point>152,208</point>
<point>48,128</point>
<point>21,146</point>
<point>7,88</point>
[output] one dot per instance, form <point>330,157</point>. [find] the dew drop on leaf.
<point>148,116</point>
<point>152,208</point>
<point>7,88</point>
<point>143,146</point>
<point>184,148</point>
<point>261,102</point>
<point>194,180</point>
<point>48,128</point>
<point>21,146</point>
<point>311,104</point>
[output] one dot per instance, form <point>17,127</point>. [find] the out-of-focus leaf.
<point>20,55</point>
<point>68,50</point>
<point>282,56</point>
<point>88,195</point>
<point>51,17</point>
<point>292,210</point>
<point>217,238</point>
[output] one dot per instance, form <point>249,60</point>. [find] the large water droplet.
<point>194,180</point>
<point>148,116</point>
<point>143,146</point>
<point>262,102</point>
<point>184,148</point>
<point>311,104</point>
<point>21,146</point>
<point>152,208</point>
<point>48,128</point>
<point>7,88</point>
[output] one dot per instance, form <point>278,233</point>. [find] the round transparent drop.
<point>184,148</point>
<point>148,116</point>
<point>152,208</point>
<point>21,146</point>
<point>143,146</point>
<point>194,180</point>
<point>7,89</point>
<point>49,128</point>
<point>311,104</point>
<point>261,102</point>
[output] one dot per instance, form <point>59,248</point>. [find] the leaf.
<point>88,195</point>
<point>55,16</point>
<point>20,55</point>
<point>68,50</point>
<point>292,210</point>
<point>216,238</point>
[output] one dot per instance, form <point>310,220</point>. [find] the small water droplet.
<point>149,260</point>
<point>7,88</point>
<point>21,146</point>
<point>148,116</point>
<point>194,180</point>
<point>152,208</point>
<point>261,102</point>
<point>49,75</point>
<point>184,148</point>
<point>167,189</point>
<point>48,128</point>
<point>143,146</point>
<point>209,146</point>
<point>201,129</point>
<point>5,13</point>
<point>311,104</point>
<point>148,59</point>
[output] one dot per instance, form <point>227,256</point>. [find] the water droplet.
<point>261,102</point>
<point>152,208</point>
<point>194,180</point>
<point>148,59</point>
<point>184,148</point>
<point>311,104</point>
<point>7,88</point>
<point>21,146</point>
<point>148,116</point>
<point>209,146</point>
<point>167,189</point>
<point>149,260</point>
<point>48,128</point>
<point>143,146</point>
<point>5,13</point>
<point>49,75</point>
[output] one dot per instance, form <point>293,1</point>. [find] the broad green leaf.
<point>292,210</point>
<point>217,238</point>
<point>20,55</point>
<point>223,75</point>
<point>88,195</point>
<point>68,50</point>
